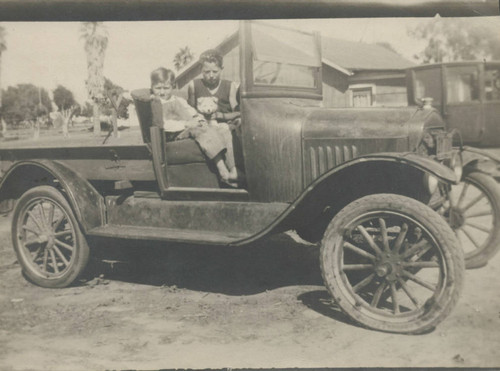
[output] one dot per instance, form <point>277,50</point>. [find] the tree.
<point>86,110</point>
<point>25,103</point>
<point>454,39</point>
<point>95,37</point>
<point>3,47</point>
<point>183,57</point>
<point>116,105</point>
<point>63,98</point>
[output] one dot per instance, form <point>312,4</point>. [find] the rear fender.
<point>86,202</point>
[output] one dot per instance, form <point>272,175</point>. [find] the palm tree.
<point>3,47</point>
<point>95,36</point>
<point>183,58</point>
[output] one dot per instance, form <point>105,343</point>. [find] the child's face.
<point>211,73</point>
<point>162,90</point>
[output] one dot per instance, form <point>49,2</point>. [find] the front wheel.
<point>473,211</point>
<point>47,239</point>
<point>392,264</point>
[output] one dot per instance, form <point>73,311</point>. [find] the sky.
<point>48,54</point>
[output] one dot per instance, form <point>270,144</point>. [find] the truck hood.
<point>358,123</point>
<point>371,123</point>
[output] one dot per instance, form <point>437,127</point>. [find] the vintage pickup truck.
<point>358,180</point>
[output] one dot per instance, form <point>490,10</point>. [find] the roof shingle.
<point>356,56</point>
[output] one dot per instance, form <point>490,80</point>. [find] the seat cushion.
<point>185,151</point>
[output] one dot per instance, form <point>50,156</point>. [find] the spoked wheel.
<point>473,211</point>
<point>392,264</point>
<point>48,242</point>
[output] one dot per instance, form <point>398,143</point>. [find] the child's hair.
<point>162,74</point>
<point>211,56</point>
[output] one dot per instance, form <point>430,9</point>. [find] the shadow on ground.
<point>321,302</point>
<point>270,264</point>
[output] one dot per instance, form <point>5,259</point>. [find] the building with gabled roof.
<point>355,74</point>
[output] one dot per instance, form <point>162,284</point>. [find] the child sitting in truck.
<point>180,121</point>
<point>224,94</point>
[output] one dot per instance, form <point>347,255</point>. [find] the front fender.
<point>86,202</point>
<point>475,159</point>
<point>369,174</point>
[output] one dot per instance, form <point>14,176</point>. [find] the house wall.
<point>335,87</point>
<point>388,88</point>
<point>387,92</point>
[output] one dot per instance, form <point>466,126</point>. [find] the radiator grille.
<point>323,158</point>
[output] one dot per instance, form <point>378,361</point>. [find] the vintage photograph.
<point>254,193</point>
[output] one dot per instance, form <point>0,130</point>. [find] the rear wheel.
<point>473,211</point>
<point>392,264</point>
<point>47,239</point>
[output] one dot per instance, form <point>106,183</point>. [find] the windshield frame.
<point>252,89</point>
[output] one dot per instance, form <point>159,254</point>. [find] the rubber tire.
<point>82,251</point>
<point>490,187</point>
<point>433,222</point>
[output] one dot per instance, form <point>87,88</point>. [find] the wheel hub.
<point>383,270</point>
<point>457,218</point>
<point>389,267</point>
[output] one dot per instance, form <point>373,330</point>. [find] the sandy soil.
<point>208,307</point>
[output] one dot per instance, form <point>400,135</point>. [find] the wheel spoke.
<point>60,254</point>
<point>408,292</point>
<point>473,202</point>
<point>479,213</point>
<point>420,281</point>
<point>427,264</point>
<point>416,249</point>
<point>358,251</point>
<point>401,237</point>
<point>378,294</point>
<point>34,254</point>
<point>471,239</point>
<point>383,232</point>
<point>479,227</point>
<point>357,267</point>
<point>63,233</point>
<point>421,253</point>
<point>26,228</point>
<point>361,284</point>
<point>51,216</point>
<point>45,258</point>
<point>35,220</point>
<point>54,261</point>
<point>369,239</point>
<point>395,303</point>
<point>42,214</point>
<point>462,195</point>
<point>58,223</point>
<point>64,245</point>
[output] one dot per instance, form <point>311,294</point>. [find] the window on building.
<point>362,97</point>
<point>462,84</point>
<point>492,82</point>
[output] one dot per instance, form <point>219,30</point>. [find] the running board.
<point>167,234</point>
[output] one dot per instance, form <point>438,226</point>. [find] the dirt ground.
<point>209,307</point>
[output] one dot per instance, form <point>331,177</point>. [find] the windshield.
<point>283,57</point>
<point>428,85</point>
